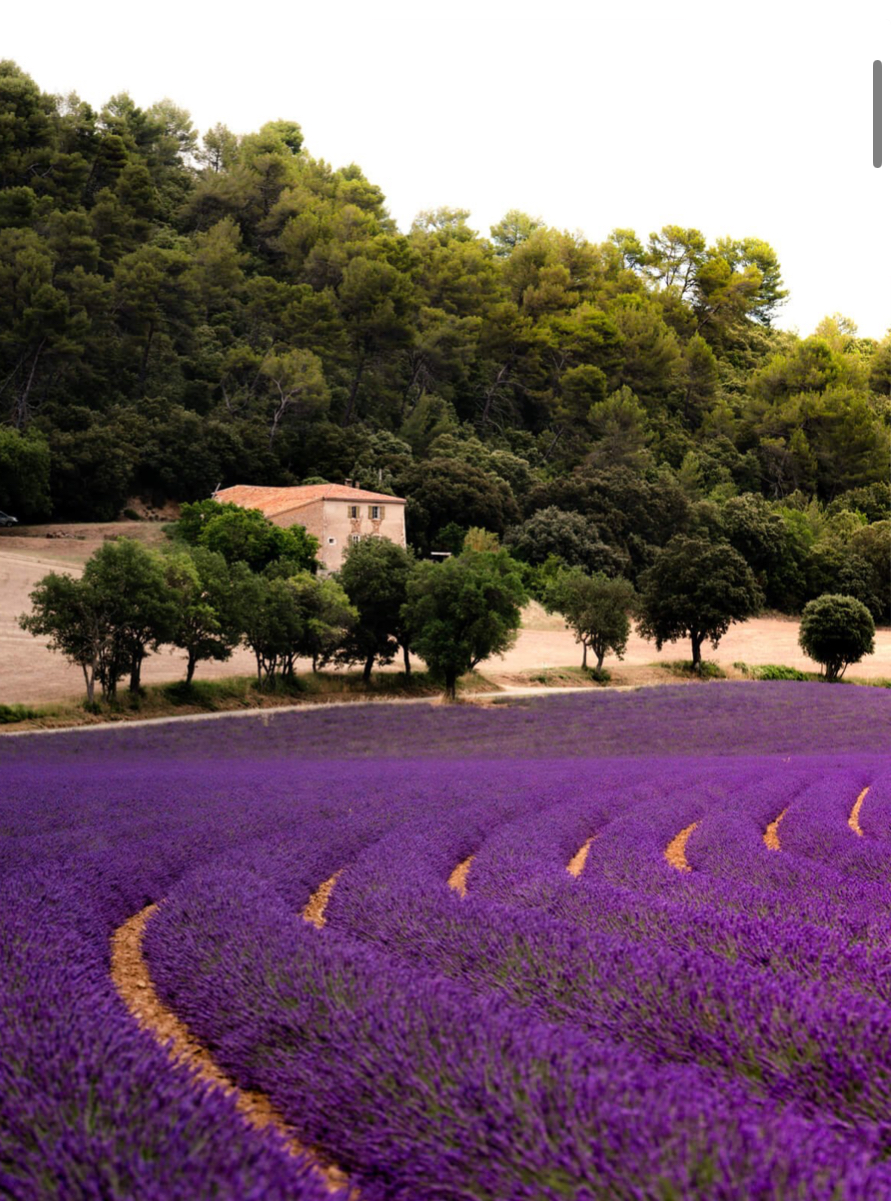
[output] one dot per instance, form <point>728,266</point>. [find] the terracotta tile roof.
<point>273,501</point>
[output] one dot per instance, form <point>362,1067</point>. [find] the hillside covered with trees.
<point>179,312</point>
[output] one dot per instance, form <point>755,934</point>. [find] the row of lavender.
<point>802,1069</point>
<point>635,1032</point>
<point>89,1105</point>
<point>726,718</point>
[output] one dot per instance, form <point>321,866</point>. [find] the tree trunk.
<point>416,371</point>
<point>405,659</point>
<point>135,673</point>
<point>696,642</point>
<point>553,445</point>
<point>584,655</point>
<point>143,369</point>
<point>90,681</point>
<point>600,655</point>
<point>190,670</point>
<point>22,406</point>
<point>366,671</point>
<point>354,392</point>
<point>490,395</point>
<point>451,681</point>
<point>279,414</point>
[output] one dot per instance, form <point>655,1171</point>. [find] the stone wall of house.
<point>336,522</point>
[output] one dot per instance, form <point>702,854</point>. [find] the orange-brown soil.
<point>675,852</point>
<point>130,974</point>
<point>314,911</point>
<point>577,863</point>
<point>458,878</point>
<point>771,834</point>
<point>854,818</point>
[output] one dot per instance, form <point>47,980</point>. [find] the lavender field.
<point>609,946</point>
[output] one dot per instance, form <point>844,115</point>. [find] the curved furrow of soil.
<point>771,834</point>
<point>130,976</point>
<point>854,818</point>
<point>675,852</point>
<point>458,878</point>
<point>577,863</point>
<point>314,910</point>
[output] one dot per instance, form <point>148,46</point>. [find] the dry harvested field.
<point>625,945</point>
<point>30,674</point>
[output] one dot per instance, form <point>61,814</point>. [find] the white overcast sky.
<point>745,119</point>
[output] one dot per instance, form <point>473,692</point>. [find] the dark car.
<point>5,519</point>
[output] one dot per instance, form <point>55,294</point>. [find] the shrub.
<point>836,631</point>
<point>705,669</point>
<point>774,671</point>
<point>13,713</point>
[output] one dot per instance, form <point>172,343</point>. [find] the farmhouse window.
<point>355,537</point>
<point>353,512</point>
<point>375,512</point>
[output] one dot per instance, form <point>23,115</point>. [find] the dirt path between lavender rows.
<point>131,978</point>
<point>676,851</point>
<point>772,833</point>
<point>854,817</point>
<point>30,674</point>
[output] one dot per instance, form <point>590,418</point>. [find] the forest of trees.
<point>179,312</point>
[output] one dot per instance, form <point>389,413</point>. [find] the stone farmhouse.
<point>336,514</point>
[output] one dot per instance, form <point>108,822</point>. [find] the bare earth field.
<point>30,674</point>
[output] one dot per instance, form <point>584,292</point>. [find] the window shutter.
<point>380,510</point>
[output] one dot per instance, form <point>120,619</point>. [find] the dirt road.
<point>30,674</point>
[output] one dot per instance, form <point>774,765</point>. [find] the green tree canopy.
<point>636,512</point>
<point>140,607</point>
<point>513,228</point>
<point>374,575</point>
<point>327,615</point>
<point>283,619</point>
<point>176,314</point>
<point>272,623</point>
<point>449,491</point>
<point>570,536</point>
<point>853,563</point>
<point>245,535</point>
<point>596,609</point>
<point>462,611</point>
<point>76,618</point>
<point>204,586</point>
<point>836,631</point>
<point>24,475</point>
<point>695,589</point>
<point>754,529</point>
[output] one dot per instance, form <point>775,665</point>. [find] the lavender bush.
<point>636,1031</point>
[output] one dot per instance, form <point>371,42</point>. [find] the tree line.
<point>178,312</point>
<point>230,577</point>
